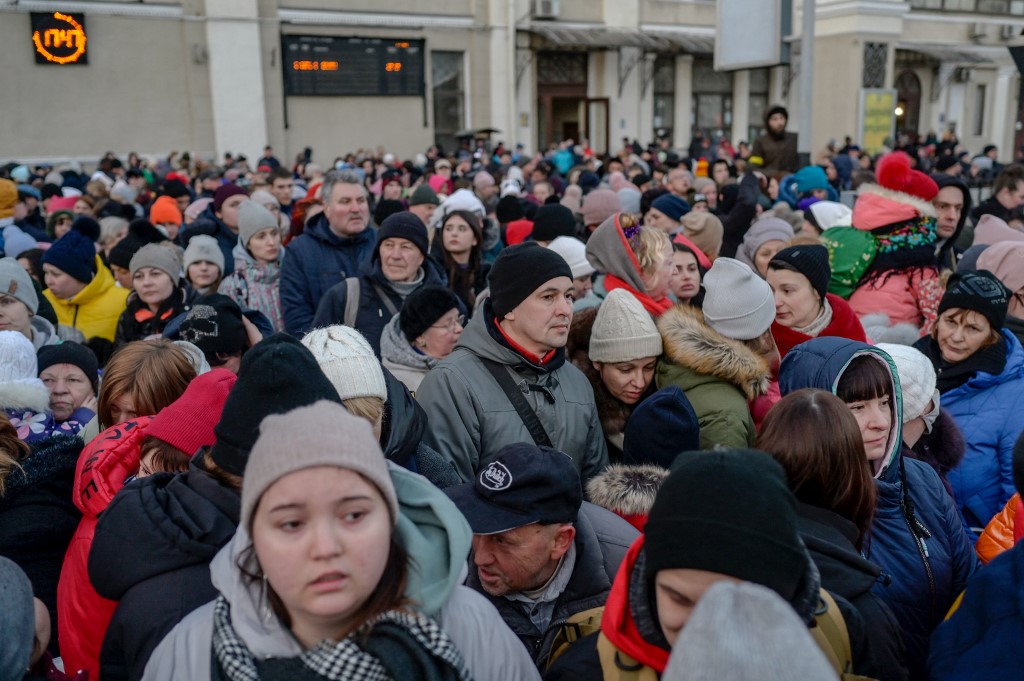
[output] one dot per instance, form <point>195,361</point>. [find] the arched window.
<point>908,86</point>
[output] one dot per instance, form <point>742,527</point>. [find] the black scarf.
<point>990,359</point>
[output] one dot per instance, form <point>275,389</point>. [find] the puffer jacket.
<point>256,286</point>
<point>401,359</point>
<point>471,418</point>
<point>917,537</point>
<point>1003,531</point>
<point>844,324</point>
<point>908,297</point>
<point>718,375</point>
<point>27,407</point>
<point>317,260</point>
<point>138,322</point>
<point>95,309</point>
<point>83,615</point>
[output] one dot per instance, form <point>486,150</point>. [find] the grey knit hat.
<point>17,620</point>
<point>204,248</point>
<point>163,258</point>
<point>252,218</point>
<point>15,282</point>
<point>738,303</point>
<point>623,330</point>
<point>320,434</point>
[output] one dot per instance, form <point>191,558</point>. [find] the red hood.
<point>105,463</point>
<point>844,324</point>
<point>617,622</point>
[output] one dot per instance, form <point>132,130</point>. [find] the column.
<point>681,130</point>
<point>502,72</point>
<point>740,105</point>
<point>1004,112</point>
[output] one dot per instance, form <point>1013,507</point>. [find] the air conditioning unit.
<point>545,9</point>
<point>961,74</point>
<point>1008,32</point>
<point>978,32</point>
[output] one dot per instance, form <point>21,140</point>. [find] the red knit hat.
<point>894,172</point>
<point>187,423</point>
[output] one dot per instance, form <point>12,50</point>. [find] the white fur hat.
<point>17,358</point>
<point>917,378</point>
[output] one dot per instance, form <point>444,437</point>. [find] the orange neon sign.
<point>54,42</point>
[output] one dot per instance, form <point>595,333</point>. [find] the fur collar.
<point>627,490</point>
<point>923,208</point>
<point>32,397</point>
<point>691,343</point>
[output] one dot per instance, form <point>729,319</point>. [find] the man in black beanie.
<point>507,381</point>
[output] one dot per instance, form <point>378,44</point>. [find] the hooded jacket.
<point>917,538</point>
<point>255,285</point>
<point>43,333</point>
<point>401,359</point>
<point>95,309</point>
<point>718,375</point>
<point>844,324</point>
<point>947,253</point>
<point>317,260</point>
<point>430,528</point>
<point>471,418</point>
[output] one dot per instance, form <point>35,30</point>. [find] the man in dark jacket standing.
<point>334,247</point>
<point>776,148</point>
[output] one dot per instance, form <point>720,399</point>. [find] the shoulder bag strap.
<point>518,399</point>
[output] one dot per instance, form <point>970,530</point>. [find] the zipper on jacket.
<point>919,541</point>
<point>74,321</point>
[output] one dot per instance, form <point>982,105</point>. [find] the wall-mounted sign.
<point>877,119</point>
<point>332,66</point>
<point>59,38</point>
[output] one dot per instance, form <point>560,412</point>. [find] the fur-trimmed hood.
<point>626,490</point>
<point>878,206</point>
<point>691,343</point>
<point>27,396</point>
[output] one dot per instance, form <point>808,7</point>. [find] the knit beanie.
<point>623,330</point>
<point>140,233</point>
<point>609,251</point>
<point>575,253</point>
<point>572,198</point>
<point>629,199</point>
<point>214,325</point>
<point>159,257</point>
<point>917,378</point>
<point>424,307</point>
<point>224,192</point>
<point>8,198</point>
<point>165,209</point>
<point>17,620</point>
<point>599,205</point>
<point>18,362</point>
<point>661,427</point>
<point>277,375</point>
<point>75,255</point>
<point>320,434</point>
<point>509,209</point>
<point>16,241</point>
<point>520,270</point>
<point>424,195</point>
<point>738,303</point>
<point>810,260</point>
<point>717,509</point>
<point>1004,259</point>
<point>87,226</point>
<point>977,290</point>
<point>483,180</point>
<point>252,218</point>
<point>588,181</point>
<point>204,248</point>
<point>672,206</point>
<point>347,359</point>
<point>810,178</point>
<point>991,229</point>
<point>760,233</point>
<point>187,423</point>
<point>71,353</point>
<point>900,195</point>
<point>403,225</point>
<point>15,282</point>
<point>553,220</point>
<point>705,230</point>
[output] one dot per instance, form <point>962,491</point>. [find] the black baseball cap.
<point>521,485</point>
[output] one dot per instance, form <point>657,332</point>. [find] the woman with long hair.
<point>460,251</point>
<point>634,257</point>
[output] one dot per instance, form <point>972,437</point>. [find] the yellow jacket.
<point>95,309</point>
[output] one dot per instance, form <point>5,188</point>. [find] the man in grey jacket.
<point>508,381</point>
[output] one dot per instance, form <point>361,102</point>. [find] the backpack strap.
<point>573,629</point>
<point>618,666</point>
<point>511,389</point>
<point>352,291</point>
<point>386,299</point>
<point>833,638</point>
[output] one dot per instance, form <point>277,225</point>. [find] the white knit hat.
<point>348,361</point>
<point>17,359</point>
<point>738,303</point>
<point>204,247</point>
<point>253,218</point>
<point>623,330</point>
<point>917,378</point>
<point>575,253</point>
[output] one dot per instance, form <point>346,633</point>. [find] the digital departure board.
<point>349,67</point>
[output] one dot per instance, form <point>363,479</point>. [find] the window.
<point>446,69</point>
<point>712,100</point>
<point>664,95</point>
<point>979,111</point>
<point>758,103</point>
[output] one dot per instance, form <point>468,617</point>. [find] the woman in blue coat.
<point>980,370</point>
<point>916,536</point>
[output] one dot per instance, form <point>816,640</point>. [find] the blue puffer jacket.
<point>316,261</point>
<point>987,409</point>
<point>917,537</point>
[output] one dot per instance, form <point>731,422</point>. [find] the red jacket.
<point>82,615</point>
<point>617,621</point>
<point>844,324</point>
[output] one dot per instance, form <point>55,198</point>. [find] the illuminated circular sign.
<point>59,38</point>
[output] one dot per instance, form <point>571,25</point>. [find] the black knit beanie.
<point>728,511</point>
<point>214,325</point>
<point>509,209</point>
<point>403,225</point>
<point>276,376</point>
<point>385,209</point>
<point>73,354</point>
<point>977,290</point>
<point>520,270</point>
<point>810,261</point>
<point>423,307</point>
<point>552,221</point>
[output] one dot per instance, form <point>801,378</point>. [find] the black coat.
<point>152,553</point>
<point>38,518</point>
<point>130,328</point>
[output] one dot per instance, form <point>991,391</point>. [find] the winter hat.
<point>977,290</point>
<point>16,241</point>
<point>661,428</point>
<point>18,362</point>
<point>224,192</point>
<point>917,378</point>
<point>572,198</point>
<point>195,208</point>
<point>15,282</point>
<point>406,226</point>
<point>159,257</point>
<point>1004,259</point>
<point>252,218</point>
<point>277,375</point>
<point>8,197</point>
<point>74,254</point>
<point>672,206</point>
<point>71,353</point>
<point>482,180</point>
<point>991,229</point>
<point>509,209</point>
<point>760,233</point>
<point>214,325</point>
<point>588,181</point>
<point>520,270</point>
<point>385,209</point>
<point>140,233</point>
<point>617,180</point>
<point>623,330</point>
<point>165,209</point>
<point>203,247</point>
<point>706,231</point>
<point>265,199</point>
<point>629,199</point>
<point>424,307</point>
<point>87,226</point>
<point>346,358</point>
<point>738,303</point>
<point>575,253</point>
<point>901,194</point>
<point>811,261</point>
<point>599,205</point>
<point>319,434</point>
<point>195,356</point>
<point>424,195</point>
<point>610,252</point>
<point>187,423</point>
<point>17,620</point>
<point>810,178</point>
<point>829,214</point>
<point>717,509</point>
<point>969,259</point>
<point>702,260</point>
<point>553,220</point>
<point>21,173</point>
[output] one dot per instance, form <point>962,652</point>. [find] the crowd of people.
<point>651,414</point>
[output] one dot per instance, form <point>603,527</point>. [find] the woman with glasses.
<point>424,332</point>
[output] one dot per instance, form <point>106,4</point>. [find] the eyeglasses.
<point>450,326</point>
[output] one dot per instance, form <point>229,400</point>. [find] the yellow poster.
<point>878,119</point>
